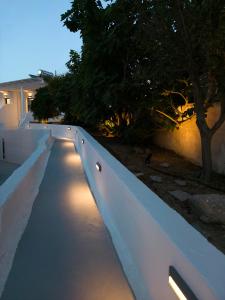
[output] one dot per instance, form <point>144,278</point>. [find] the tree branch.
<point>218,124</point>
<point>167,116</point>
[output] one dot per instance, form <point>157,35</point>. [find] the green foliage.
<point>43,106</point>
<point>141,60</point>
<point>110,82</point>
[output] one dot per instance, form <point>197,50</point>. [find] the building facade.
<point>15,101</point>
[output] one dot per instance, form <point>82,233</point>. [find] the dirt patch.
<point>164,171</point>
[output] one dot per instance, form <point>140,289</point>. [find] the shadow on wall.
<point>186,142</point>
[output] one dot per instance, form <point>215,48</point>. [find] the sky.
<point>32,37</point>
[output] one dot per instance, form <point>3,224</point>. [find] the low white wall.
<point>17,195</point>
<point>147,234</point>
<point>19,143</point>
<point>58,131</point>
<point>186,142</point>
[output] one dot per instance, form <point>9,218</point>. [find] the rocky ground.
<point>177,182</point>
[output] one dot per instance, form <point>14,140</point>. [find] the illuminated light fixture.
<point>179,286</point>
<point>7,101</point>
<point>6,98</point>
<point>69,128</point>
<point>30,95</point>
<point>98,166</point>
<point>82,141</point>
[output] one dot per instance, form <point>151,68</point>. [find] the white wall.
<point>17,195</point>
<point>147,234</point>
<point>58,131</point>
<point>20,143</point>
<point>185,141</point>
<point>9,113</point>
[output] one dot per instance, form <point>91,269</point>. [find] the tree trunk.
<point>206,139</point>
<point>205,132</point>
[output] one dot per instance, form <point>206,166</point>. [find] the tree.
<point>204,39</point>
<point>54,99</point>
<point>42,106</point>
<point>108,84</point>
<point>133,51</point>
<point>188,39</point>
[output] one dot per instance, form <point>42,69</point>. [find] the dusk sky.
<point>32,37</point>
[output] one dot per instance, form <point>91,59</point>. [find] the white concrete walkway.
<point>66,252</point>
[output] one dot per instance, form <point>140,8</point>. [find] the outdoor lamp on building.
<point>7,99</point>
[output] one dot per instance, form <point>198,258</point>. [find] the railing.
<point>163,256</point>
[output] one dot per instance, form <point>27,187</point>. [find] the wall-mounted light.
<point>179,286</point>
<point>69,128</point>
<point>7,99</point>
<point>82,141</point>
<point>98,166</point>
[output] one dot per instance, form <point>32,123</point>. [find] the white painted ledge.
<point>17,195</point>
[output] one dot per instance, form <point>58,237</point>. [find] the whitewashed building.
<point>15,101</point>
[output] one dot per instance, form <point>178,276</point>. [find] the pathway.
<point>66,252</point>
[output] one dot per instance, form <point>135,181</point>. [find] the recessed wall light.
<point>82,141</point>
<point>69,128</point>
<point>179,286</point>
<point>98,166</point>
